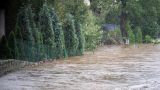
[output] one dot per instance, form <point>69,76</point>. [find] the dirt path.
<point>110,68</point>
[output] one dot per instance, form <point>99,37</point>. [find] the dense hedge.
<point>40,33</point>
<point>41,36</point>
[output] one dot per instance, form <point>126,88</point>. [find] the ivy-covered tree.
<point>71,40</point>
<point>5,51</point>
<point>59,35</point>
<point>138,35</point>
<point>26,26</point>
<point>46,28</point>
<point>131,35</point>
<point>81,38</point>
<point>19,52</point>
<point>25,22</point>
<point>11,44</point>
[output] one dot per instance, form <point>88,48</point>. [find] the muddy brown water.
<point>109,68</point>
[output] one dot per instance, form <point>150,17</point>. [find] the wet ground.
<point>109,68</point>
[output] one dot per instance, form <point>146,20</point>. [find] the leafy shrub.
<point>148,39</point>
<point>112,37</point>
<point>131,35</point>
<point>92,32</point>
<point>138,35</point>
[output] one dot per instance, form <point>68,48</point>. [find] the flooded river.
<point>109,68</point>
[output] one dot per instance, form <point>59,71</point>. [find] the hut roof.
<point>109,27</point>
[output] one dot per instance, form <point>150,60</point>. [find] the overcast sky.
<point>87,2</point>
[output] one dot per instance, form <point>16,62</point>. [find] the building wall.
<point>2,23</point>
<point>11,8</point>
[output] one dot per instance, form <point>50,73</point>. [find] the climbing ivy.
<point>81,39</point>
<point>71,40</point>
<point>59,35</point>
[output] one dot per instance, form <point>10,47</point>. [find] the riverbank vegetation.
<point>54,29</point>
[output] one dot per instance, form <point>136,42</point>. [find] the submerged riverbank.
<point>109,68</point>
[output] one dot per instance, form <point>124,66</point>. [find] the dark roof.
<point>3,4</point>
<point>109,27</point>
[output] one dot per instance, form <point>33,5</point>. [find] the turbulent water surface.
<point>109,68</point>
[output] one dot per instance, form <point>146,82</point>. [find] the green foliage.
<point>112,37</point>
<point>11,44</point>
<point>52,32</point>
<point>148,39</point>
<point>138,35</point>
<point>42,38</point>
<point>131,35</point>
<point>18,33</point>
<point>25,31</point>
<point>81,38</point>
<point>19,53</point>
<point>75,7</point>
<point>92,32</point>
<point>145,15</point>
<point>46,26</point>
<point>59,35</point>
<point>71,40</point>
<point>25,22</point>
<point>107,11</point>
<point>38,29</point>
<point>78,10</point>
<point>5,51</point>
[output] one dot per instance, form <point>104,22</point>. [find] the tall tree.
<point>123,20</point>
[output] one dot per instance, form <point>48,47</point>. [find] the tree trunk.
<point>123,20</point>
